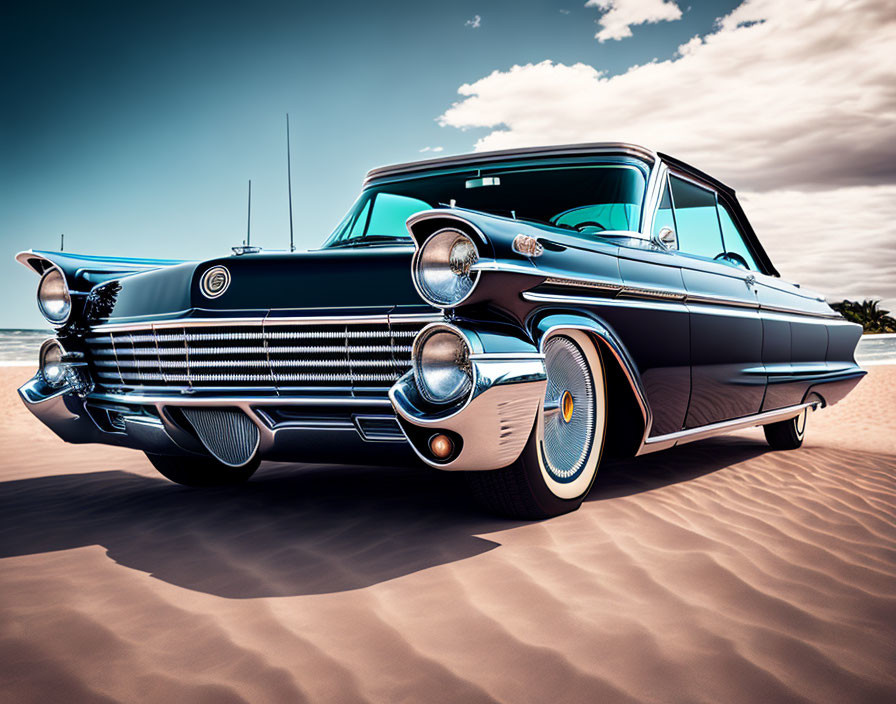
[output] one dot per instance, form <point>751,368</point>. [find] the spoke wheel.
<point>569,416</point>
<point>559,463</point>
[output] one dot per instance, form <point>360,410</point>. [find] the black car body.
<point>422,331</point>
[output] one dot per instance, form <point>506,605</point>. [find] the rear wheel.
<point>201,471</point>
<point>559,463</point>
<point>787,434</point>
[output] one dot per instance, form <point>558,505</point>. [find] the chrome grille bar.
<point>267,356</point>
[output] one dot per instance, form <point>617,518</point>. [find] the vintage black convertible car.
<point>516,315</point>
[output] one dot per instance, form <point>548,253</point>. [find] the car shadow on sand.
<point>292,529</point>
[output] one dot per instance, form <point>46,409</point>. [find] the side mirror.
<point>666,238</point>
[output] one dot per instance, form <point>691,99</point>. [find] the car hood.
<point>368,281</point>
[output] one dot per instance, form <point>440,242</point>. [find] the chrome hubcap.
<point>568,410</point>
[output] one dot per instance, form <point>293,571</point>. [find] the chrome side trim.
<point>658,295</point>
<point>633,302</point>
<point>710,300</point>
<point>639,292</point>
<point>584,283</point>
<point>662,442</point>
<point>804,314</point>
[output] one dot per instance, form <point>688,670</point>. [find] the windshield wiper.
<point>371,239</point>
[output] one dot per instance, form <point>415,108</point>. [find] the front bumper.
<point>493,424</point>
<point>490,427</point>
<point>290,429</point>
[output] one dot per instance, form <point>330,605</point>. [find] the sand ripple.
<point>718,572</point>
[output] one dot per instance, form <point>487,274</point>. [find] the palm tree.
<point>868,314</point>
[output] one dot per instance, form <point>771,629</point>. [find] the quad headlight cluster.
<point>442,367</point>
<point>443,268</point>
<point>54,298</point>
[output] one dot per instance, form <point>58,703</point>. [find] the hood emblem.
<point>214,282</point>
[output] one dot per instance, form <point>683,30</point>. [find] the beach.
<point>721,571</point>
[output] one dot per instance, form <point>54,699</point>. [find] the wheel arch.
<point>628,423</point>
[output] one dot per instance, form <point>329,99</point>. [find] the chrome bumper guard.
<point>356,430</point>
<point>493,423</point>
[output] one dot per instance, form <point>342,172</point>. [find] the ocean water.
<point>20,347</point>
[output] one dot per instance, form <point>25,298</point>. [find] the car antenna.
<point>292,246</point>
<point>247,247</point>
<point>62,242</point>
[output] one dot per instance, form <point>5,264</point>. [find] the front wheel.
<point>201,471</point>
<point>559,463</point>
<point>787,434</point>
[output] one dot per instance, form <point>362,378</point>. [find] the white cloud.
<point>432,149</point>
<point>475,23</point>
<point>619,15</point>
<point>839,241</point>
<point>798,96</point>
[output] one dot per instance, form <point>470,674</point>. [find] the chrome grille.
<point>267,356</point>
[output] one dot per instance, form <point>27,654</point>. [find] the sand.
<point>717,572</point>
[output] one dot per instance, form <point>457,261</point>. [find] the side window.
<point>698,223</point>
<point>664,216</point>
<point>733,237</point>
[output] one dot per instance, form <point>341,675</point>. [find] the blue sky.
<point>134,130</point>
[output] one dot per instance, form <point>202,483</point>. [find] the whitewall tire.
<point>559,463</point>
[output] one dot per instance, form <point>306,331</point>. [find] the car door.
<point>727,375</point>
<point>794,333</point>
<point>651,315</point>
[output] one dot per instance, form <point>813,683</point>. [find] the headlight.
<point>52,369</point>
<point>442,365</point>
<point>443,268</point>
<point>53,298</point>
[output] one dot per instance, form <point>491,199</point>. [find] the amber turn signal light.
<point>441,446</point>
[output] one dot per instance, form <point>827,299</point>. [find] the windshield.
<point>586,199</point>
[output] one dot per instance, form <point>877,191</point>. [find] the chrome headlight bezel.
<point>58,377</point>
<point>449,361</point>
<point>54,277</point>
<point>438,256</point>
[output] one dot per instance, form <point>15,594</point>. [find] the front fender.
<point>546,324</point>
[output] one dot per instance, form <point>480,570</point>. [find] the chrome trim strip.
<point>661,295</point>
<point>639,292</point>
<point>803,314</point>
<point>633,302</point>
<point>661,442</point>
<point>460,160</point>
<point>192,400</point>
<point>710,300</point>
<point>584,283</point>
<point>507,267</point>
<point>271,320</point>
<point>485,356</point>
